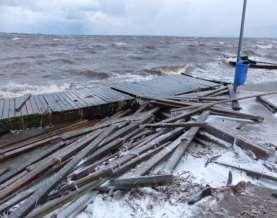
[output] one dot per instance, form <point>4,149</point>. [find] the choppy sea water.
<point>32,63</point>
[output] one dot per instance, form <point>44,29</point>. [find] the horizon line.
<point>136,35</point>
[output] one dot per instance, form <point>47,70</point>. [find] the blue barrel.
<point>241,72</point>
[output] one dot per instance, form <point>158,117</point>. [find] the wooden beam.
<point>186,140</point>
<point>141,181</point>
<point>174,125</point>
<point>231,137</point>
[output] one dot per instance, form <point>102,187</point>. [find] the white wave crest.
<point>263,46</point>
<point>14,89</point>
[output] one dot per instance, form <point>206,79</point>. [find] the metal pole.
<point>241,29</point>
<point>241,35</point>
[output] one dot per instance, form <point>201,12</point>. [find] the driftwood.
<point>231,137</point>
<point>56,203</point>
<point>49,184</point>
<point>177,124</point>
<point>142,181</point>
<point>267,104</point>
<point>28,163</point>
<point>77,206</point>
<point>186,139</point>
<point>250,172</point>
<point>81,156</point>
<point>230,113</point>
<point>153,161</point>
<point>214,92</point>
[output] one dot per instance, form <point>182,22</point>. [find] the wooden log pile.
<point>68,165</point>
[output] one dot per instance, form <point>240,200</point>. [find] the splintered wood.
<point>67,165</point>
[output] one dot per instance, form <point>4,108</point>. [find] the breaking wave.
<point>14,89</point>
<point>93,74</point>
<point>164,70</point>
<point>120,44</point>
<point>264,46</point>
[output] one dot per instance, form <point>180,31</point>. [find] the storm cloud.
<point>138,17</point>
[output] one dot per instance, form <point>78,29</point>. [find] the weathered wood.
<point>186,139</point>
<point>142,181</point>
<point>48,184</point>
<point>231,137</point>
<point>25,179</point>
<point>250,172</point>
<point>11,108</point>
<point>107,123</point>
<point>1,107</point>
<point>76,206</point>
<point>6,106</point>
<point>23,102</point>
<point>27,163</point>
<point>209,105</point>
<point>188,114</point>
<point>213,92</point>
<point>155,99</point>
<point>116,139</point>
<point>230,113</point>
<point>267,104</point>
<point>146,166</point>
<point>115,169</point>
<point>12,153</point>
<point>174,125</point>
<point>56,203</point>
<point>4,206</point>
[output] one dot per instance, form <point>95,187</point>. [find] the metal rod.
<point>241,36</point>
<point>241,29</point>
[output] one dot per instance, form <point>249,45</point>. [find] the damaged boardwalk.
<point>57,172</point>
<point>44,109</point>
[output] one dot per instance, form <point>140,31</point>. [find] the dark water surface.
<point>42,63</point>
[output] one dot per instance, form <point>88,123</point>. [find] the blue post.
<point>241,72</point>
<point>241,66</point>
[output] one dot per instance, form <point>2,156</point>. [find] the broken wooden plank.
<point>217,110</point>
<point>77,206</point>
<point>186,140</point>
<point>213,92</point>
<point>174,125</point>
<point>141,181</point>
<point>250,172</point>
<point>146,166</point>
<point>47,185</point>
<point>231,137</point>
<point>23,166</point>
<point>50,206</point>
<point>267,104</point>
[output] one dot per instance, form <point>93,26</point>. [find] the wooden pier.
<point>39,110</point>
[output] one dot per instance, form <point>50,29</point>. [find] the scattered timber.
<point>244,143</point>
<point>250,172</point>
<point>267,104</point>
<point>60,170</point>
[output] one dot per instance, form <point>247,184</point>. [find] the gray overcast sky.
<point>139,17</point>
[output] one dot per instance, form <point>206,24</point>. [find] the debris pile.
<point>67,165</point>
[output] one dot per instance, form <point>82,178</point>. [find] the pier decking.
<point>34,110</point>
